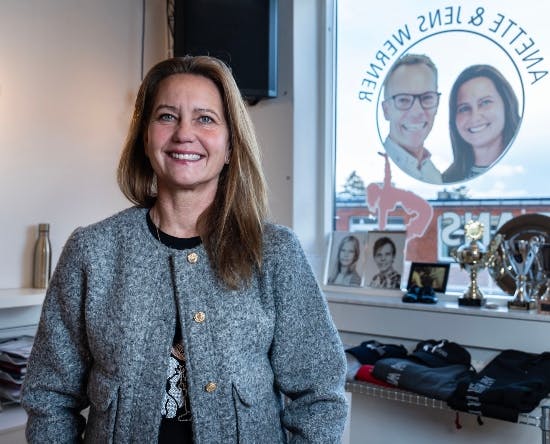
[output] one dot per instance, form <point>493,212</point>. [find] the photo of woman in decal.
<point>483,121</point>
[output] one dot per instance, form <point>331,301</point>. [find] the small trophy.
<point>473,257</point>
<point>521,255</point>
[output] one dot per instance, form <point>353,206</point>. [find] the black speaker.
<point>242,33</point>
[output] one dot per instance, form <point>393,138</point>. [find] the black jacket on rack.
<point>513,382</point>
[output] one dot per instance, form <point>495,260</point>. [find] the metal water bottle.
<point>42,257</point>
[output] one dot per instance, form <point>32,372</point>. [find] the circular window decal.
<point>445,115</point>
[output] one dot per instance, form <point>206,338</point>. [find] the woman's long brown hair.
<point>231,228</point>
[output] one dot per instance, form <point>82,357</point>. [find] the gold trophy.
<point>473,257</point>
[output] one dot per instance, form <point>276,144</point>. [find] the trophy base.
<point>522,305</point>
<point>544,307</point>
<point>471,302</point>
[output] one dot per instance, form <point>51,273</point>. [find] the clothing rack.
<point>394,394</point>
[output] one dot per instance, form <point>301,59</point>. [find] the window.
<point>461,124</point>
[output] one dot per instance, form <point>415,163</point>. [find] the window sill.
<point>372,312</point>
<point>496,306</point>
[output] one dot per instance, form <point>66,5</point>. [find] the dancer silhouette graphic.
<point>385,198</point>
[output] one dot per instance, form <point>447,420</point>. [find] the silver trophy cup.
<point>521,255</point>
<point>544,267</point>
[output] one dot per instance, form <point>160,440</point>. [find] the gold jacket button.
<point>199,316</point>
<point>210,387</point>
<point>192,258</point>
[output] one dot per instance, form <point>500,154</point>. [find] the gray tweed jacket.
<point>106,331</point>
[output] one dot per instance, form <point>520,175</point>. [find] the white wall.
<point>69,73</point>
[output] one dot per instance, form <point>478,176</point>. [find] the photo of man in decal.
<point>411,100</point>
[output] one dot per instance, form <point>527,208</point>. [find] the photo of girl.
<point>346,259</point>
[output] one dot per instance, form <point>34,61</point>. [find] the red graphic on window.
<point>385,198</point>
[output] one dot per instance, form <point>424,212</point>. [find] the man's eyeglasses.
<point>427,100</point>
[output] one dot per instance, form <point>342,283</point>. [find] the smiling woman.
<point>187,142</point>
<point>183,315</point>
<point>483,120</point>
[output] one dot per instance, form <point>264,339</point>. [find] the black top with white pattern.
<point>176,423</point>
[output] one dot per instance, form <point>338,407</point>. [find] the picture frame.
<point>433,274</point>
<point>345,274</point>
<point>385,259</point>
